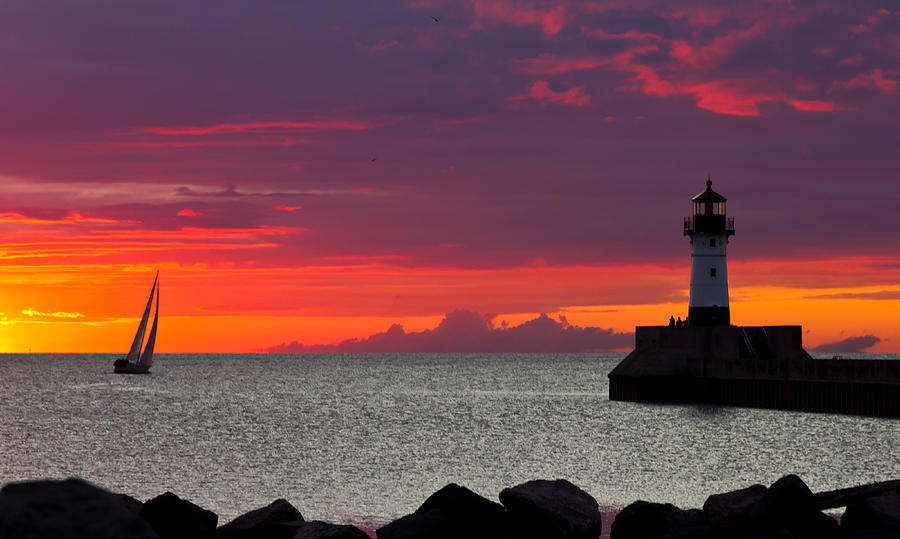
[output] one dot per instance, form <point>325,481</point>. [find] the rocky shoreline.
<point>540,509</point>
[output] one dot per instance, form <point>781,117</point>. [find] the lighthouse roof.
<point>709,195</point>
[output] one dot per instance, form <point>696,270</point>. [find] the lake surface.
<point>366,438</point>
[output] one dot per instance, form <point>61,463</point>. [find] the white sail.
<point>147,356</point>
<point>135,351</point>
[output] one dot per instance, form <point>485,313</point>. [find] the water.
<point>366,438</point>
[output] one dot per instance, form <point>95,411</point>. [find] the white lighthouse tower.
<point>709,229</point>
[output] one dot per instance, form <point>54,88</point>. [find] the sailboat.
<point>137,362</point>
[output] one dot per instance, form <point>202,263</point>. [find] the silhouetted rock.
<point>877,512</point>
<point>174,518</point>
<point>451,512</point>
<point>552,509</point>
<point>324,530</point>
<point>787,506</point>
<point>277,520</point>
<point>72,509</point>
<point>646,520</point>
<point>722,509</point>
<point>133,505</point>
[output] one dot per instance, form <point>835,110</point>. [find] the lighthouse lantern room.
<point>708,228</point>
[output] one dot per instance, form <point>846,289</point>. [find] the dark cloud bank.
<point>467,331</point>
<point>849,345</point>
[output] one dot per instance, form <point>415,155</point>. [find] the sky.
<point>399,176</point>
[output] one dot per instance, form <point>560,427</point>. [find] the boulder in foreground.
<point>723,509</point>
<point>325,530</point>
<point>174,518</point>
<point>552,510</point>
<point>72,509</point>
<point>452,512</point>
<point>875,513</point>
<point>277,520</point>
<point>647,520</point>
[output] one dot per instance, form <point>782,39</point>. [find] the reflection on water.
<point>356,438</point>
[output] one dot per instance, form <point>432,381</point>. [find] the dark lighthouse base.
<point>760,367</point>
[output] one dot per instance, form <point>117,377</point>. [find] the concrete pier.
<point>760,367</point>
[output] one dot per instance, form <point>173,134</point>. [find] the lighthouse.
<point>708,228</point>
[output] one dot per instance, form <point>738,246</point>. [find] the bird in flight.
<point>435,19</point>
<point>372,159</point>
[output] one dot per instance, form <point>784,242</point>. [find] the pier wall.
<point>760,367</point>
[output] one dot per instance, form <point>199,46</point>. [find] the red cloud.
<point>852,61</point>
<point>874,80</point>
<point>871,21</point>
<point>540,91</point>
<point>267,141</point>
<point>187,213</point>
<point>71,219</point>
<point>375,48</point>
<point>814,106</point>
<point>729,97</point>
<point>317,125</point>
<point>282,207</point>
<point>718,48</point>
<point>548,65</point>
<point>634,35</point>
<point>550,19</point>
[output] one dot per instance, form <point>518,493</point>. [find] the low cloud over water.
<point>468,331</point>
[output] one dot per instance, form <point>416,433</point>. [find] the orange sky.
<point>94,308</point>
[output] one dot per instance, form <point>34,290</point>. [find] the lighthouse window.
<point>712,242</point>
<point>712,272</point>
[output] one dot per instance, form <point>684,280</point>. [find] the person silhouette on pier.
<point>679,323</point>
<point>671,321</point>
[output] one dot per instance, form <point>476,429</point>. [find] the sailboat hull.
<point>123,366</point>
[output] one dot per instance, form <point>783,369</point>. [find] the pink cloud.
<point>282,207</point>
<point>871,21</point>
<point>874,80</point>
<point>634,35</point>
<point>697,15</point>
<point>268,141</point>
<point>466,331</point>
<point>376,48</point>
<point>728,97</point>
<point>316,125</point>
<point>814,106</point>
<point>187,213</point>
<point>851,61</point>
<point>73,218</point>
<point>540,91</point>
<point>551,19</point>
<point>718,48</point>
<point>548,65</point>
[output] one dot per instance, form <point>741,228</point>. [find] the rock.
<point>133,505</point>
<point>552,509</point>
<point>788,506</point>
<point>174,518</point>
<point>73,509</point>
<point>451,512</point>
<point>722,509</point>
<point>877,512</point>
<point>646,520</point>
<point>277,520</point>
<point>323,530</point>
